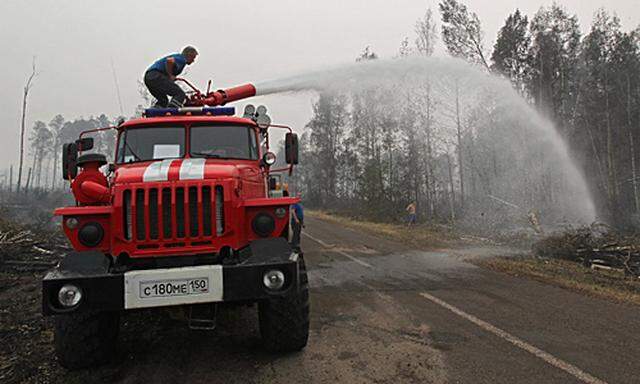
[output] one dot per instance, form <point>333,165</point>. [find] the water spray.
<point>396,78</point>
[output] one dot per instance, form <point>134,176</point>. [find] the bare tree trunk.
<point>56,145</point>
<point>39,174</point>
<point>599,161</point>
<point>634,174</point>
<point>11,178</point>
<point>35,159</point>
<point>46,174</point>
<point>430,183</point>
<point>26,188</point>
<point>611,182</point>
<point>27,87</point>
<point>451,193</point>
<point>459,135</point>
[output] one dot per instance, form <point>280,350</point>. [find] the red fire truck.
<point>184,217</point>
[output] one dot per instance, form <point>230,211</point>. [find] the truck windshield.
<point>223,141</point>
<point>151,143</point>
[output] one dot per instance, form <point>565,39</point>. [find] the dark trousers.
<point>295,239</point>
<point>160,86</point>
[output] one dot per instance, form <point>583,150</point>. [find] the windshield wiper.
<point>135,156</point>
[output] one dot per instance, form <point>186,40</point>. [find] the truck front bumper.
<point>102,290</point>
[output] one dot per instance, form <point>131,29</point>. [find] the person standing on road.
<point>297,223</point>
<point>411,211</point>
<point>160,76</point>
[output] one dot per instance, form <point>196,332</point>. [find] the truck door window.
<point>151,143</point>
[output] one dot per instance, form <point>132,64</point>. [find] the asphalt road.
<point>384,313</point>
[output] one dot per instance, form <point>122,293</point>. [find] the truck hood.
<point>183,169</point>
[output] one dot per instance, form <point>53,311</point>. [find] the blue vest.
<point>179,62</point>
<point>299,211</point>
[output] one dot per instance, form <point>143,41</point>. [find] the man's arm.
<point>169,67</point>
<point>295,217</point>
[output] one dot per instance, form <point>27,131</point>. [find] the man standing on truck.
<point>160,77</point>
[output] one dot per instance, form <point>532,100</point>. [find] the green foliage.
<point>462,33</point>
<point>554,61</point>
<point>426,34</point>
<point>511,51</point>
<point>588,87</point>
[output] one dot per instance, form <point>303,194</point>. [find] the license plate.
<point>173,286</point>
<point>168,288</point>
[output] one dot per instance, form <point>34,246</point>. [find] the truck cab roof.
<point>186,119</point>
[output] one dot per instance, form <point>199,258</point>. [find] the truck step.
<point>202,316</point>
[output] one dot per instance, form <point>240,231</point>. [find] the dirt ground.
<point>370,323</point>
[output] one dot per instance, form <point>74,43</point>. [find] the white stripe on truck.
<point>192,169</point>
<point>157,171</point>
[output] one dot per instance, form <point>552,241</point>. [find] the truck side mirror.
<point>84,144</point>
<point>291,148</point>
<point>69,161</point>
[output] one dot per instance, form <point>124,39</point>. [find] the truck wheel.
<point>284,321</point>
<point>86,339</point>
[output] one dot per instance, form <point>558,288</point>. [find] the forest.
<point>444,149</point>
<point>455,151</point>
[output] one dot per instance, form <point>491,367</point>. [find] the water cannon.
<point>219,97</point>
<point>90,186</point>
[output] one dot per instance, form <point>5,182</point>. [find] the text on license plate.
<point>167,288</point>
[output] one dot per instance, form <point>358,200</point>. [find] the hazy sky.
<point>239,40</point>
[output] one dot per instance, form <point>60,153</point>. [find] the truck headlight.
<point>90,234</point>
<point>269,158</point>
<point>71,223</point>
<point>69,295</point>
<point>273,279</point>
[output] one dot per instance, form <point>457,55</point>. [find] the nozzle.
<point>223,96</point>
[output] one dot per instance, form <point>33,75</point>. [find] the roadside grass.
<point>608,284</point>
<point>420,235</point>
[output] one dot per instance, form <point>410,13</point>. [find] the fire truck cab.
<point>184,218</point>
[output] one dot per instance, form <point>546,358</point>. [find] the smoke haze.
<point>75,42</point>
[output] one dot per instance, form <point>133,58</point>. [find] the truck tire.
<point>284,320</point>
<point>86,339</point>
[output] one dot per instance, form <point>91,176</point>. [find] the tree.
<point>25,94</point>
<point>426,34</point>
<point>367,54</point>
<point>405,49</point>
<point>554,62</point>
<point>597,96</point>
<point>625,78</point>
<point>511,51</point>
<point>462,33</point>
<point>104,140</point>
<point>326,134</point>
<point>41,140</point>
<point>421,99</point>
<point>55,126</point>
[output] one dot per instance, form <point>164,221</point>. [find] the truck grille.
<point>185,213</point>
